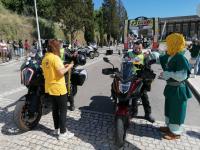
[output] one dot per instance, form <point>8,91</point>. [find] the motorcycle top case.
<point>79,76</point>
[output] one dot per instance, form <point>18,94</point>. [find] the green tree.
<point>89,21</point>
<point>111,19</point>
<point>122,14</point>
<point>26,7</point>
<point>99,25</point>
<point>14,5</point>
<point>70,15</point>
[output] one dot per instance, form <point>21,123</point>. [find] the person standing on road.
<point>55,87</point>
<point>138,54</point>
<point>176,71</point>
<point>3,50</point>
<point>16,49</point>
<point>10,50</point>
<point>26,47</point>
<point>194,52</point>
<point>21,48</point>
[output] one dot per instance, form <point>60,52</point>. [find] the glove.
<point>166,75</point>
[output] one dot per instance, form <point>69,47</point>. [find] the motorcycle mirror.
<point>109,52</point>
<point>115,70</point>
<point>106,59</point>
<point>107,71</point>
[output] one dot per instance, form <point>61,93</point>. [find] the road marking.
<point>13,91</point>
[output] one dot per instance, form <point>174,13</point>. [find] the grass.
<point>15,27</point>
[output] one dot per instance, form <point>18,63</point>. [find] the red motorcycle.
<point>126,87</point>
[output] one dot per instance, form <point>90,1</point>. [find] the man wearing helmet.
<point>139,58</point>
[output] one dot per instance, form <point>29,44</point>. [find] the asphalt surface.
<point>95,93</point>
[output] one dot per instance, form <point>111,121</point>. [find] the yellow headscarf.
<point>175,43</point>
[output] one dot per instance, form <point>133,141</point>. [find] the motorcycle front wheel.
<point>20,116</point>
<point>120,131</point>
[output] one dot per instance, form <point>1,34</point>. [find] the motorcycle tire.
<point>96,54</point>
<point>91,55</point>
<point>120,131</point>
<point>18,117</point>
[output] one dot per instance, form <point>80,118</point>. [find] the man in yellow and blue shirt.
<point>139,58</point>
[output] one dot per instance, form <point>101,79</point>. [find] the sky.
<point>157,8</point>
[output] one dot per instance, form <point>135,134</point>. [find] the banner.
<point>141,23</point>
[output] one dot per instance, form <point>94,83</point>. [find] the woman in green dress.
<point>176,70</point>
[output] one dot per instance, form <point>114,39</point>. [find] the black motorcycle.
<point>31,106</point>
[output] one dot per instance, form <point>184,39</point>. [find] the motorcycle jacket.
<point>137,59</point>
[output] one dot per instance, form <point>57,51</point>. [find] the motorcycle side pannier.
<point>78,77</point>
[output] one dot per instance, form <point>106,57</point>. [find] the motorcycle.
<point>95,48</point>
<point>88,51</point>
<point>34,104</point>
<point>126,86</point>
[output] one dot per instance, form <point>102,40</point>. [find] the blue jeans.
<point>21,52</point>
<point>196,65</point>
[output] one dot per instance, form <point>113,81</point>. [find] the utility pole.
<point>38,29</point>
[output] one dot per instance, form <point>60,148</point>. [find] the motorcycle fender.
<point>122,111</point>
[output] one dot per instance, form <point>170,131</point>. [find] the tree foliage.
<point>98,19</point>
<point>114,15</point>
<point>75,15</point>
<point>89,21</point>
<point>70,15</point>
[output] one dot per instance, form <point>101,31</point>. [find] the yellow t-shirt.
<point>54,83</point>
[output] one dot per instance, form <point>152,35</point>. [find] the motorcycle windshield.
<point>127,70</point>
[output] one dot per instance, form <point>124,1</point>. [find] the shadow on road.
<point>100,104</point>
<point>6,118</point>
<point>145,130</point>
<point>97,129</point>
<point>193,134</point>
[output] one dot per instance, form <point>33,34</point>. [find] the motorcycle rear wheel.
<point>96,54</point>
<point>91,55</point>
<point>20,113</point>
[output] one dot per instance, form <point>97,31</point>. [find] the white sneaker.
<point>55,132</point>
<point>66,135</point>
<point>192,76</point>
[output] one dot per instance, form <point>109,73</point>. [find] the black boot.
<point>71,101</point>
<point>147,107</point>
<point>72,107</point>
<point>134,108</point>
<point>149,118</point>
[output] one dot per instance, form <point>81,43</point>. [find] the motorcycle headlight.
<point>124,87</point>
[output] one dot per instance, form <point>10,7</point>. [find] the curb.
<point>12,61</point>
<point>194,91</point>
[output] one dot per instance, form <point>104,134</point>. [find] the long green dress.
<point>175,96</point>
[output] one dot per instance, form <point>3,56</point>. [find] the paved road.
<point>92,130</point>
<point>94,94</point>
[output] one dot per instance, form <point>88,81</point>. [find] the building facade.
<point>189,26</point>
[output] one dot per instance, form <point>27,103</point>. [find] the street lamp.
<point>198,10</point>
<point>38,28</point>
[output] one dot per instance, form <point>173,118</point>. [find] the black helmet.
<point>81,60</point>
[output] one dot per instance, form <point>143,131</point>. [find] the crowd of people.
<point>13,49</point>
